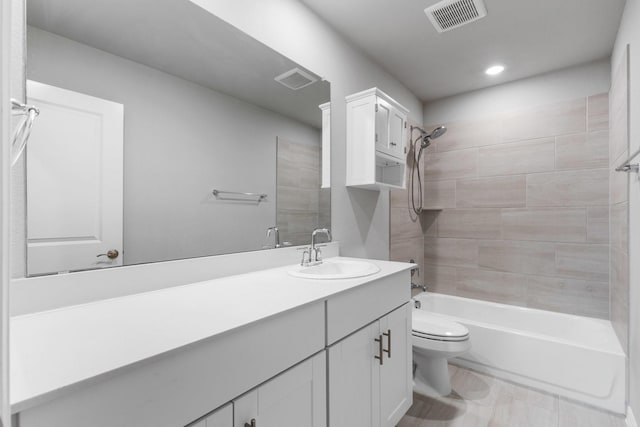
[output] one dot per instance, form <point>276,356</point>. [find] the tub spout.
<point>417,286</point>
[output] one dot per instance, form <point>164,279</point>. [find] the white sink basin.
<point>335,269</point>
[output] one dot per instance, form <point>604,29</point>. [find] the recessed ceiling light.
<point>494,70</point>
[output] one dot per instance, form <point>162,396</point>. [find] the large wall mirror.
<point>156,118</point>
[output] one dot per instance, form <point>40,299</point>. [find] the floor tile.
<point>480,400</point>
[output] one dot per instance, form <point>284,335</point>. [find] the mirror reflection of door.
<point>75,182</point>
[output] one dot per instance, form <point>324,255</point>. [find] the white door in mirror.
<point>75,176</point>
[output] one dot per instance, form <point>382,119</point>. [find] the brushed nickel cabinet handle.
<point>388,335</point>
<point>253,423</point>
<point>380,349</point>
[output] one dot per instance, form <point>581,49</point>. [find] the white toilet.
<point>436,338</point>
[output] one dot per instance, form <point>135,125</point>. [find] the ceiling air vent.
<point>449,14</point>
<point>296,79</point>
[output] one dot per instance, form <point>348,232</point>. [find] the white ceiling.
<point>528,36</point>
<point>180,38</point>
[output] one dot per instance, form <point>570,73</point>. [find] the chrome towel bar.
<point>259,197</point>
<point>627,166</point>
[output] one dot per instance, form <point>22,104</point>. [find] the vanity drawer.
<point>351,310</point>
<point>179,387</point>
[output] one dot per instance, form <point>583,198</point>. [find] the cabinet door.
<point>396,382</point>
<point>396,134</point>
<point>295,398</point>
<point>383,112</point>
<point>223,417</point>
<point>354,380</point>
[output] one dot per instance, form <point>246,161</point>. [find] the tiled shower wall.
<point>619,199</point>
<point>301,205</point>
<point>521,208</point>
<point>406,241</point>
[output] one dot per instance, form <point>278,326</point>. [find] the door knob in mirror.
<point>111,254</point>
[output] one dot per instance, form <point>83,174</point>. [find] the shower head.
<point>437,132</point>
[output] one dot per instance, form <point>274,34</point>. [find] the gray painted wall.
<point>561,85</point>
<point>359,218</point>
<point>629,33</point>
<point>169,212</point>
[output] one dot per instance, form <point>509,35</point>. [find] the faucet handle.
<point>318,254</point>
<point>308,253</point>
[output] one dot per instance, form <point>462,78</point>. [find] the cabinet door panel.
<point>396,133</point>
<point>295,398</point>
<point>354,380</point>
<point>396,382</point>
<point>223,417</point>
<point>383,112</point>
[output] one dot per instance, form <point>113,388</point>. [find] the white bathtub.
<point>572,356</point>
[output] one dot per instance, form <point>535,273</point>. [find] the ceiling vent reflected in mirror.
<point>449,14</point>
<point>296,79</point>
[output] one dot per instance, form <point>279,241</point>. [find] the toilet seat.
<point>437,327</point>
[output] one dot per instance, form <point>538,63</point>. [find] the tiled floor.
<point>479,400</point>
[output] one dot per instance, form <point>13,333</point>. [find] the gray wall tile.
<point>583,150</point>
<point>491,192</point>
<point>517,158</point>
<point>598,224</point>
<point>470,223</point>
<point>549,120</point>
<point>589,262</point>
<point>451,252</point>
<point>451,165</point>
<point>488,285</point>
<point>571,188</point>
<point>598,112</point>
<point>518,257</point>
<point>545,224</point>
<point>439,194</point>
<point>469,134</point>
<point>552,293</point>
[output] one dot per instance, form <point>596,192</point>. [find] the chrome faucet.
<point>276,233</point>
<point>418,286</point>
<point>314,254</point>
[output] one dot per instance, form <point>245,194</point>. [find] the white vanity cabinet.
<point>376,140</point>
<point>223,417</point>
<point>295,398</point>
<point>370,376</point>
<point>338,356</point>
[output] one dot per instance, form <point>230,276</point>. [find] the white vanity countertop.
<point>53,350</point>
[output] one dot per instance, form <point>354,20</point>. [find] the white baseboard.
<point>631,419</point>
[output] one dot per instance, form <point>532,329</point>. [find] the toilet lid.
<point>434,326</point>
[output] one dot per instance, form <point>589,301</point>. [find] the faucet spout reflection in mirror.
<point>314,254</point>
<point>276,238</point>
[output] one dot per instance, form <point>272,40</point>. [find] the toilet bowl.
<point>436,339</point>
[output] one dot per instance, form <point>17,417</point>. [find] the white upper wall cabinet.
<point>376,141</point>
